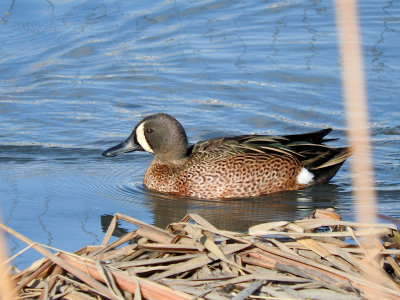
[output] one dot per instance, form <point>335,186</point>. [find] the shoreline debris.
<point>320,257</point>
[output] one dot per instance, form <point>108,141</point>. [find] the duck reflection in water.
<point>238,214</point>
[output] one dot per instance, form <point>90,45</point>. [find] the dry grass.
<point>320,257</point>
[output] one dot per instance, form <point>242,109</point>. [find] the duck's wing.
<point>287,144</point>
<point>309,148</point>
<point>240,145</point>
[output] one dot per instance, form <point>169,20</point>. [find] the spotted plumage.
<point>231,167</point>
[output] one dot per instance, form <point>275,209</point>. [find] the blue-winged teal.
<point>230,167</point>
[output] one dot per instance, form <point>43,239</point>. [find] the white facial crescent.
<point>141,138</point>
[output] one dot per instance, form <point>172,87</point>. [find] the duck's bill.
<point>126,146</point>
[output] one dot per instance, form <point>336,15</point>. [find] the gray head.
<point>159,134</point>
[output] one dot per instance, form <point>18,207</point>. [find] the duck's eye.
<point>149,130</point>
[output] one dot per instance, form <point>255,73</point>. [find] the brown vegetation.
<point>320,257</point>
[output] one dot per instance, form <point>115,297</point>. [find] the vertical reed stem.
<point>357,121</point>
<point>6,285</point>
<point>356,109</point>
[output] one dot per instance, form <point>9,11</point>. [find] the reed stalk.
<point>6,285</point>
<point>355,99</point>
<point>356,109</point>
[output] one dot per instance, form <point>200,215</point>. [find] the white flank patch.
<point>304,177</point>
<point>142,139</point>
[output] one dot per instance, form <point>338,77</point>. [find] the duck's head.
<point>159,134</point>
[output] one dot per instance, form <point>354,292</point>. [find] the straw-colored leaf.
<point>267,227</point>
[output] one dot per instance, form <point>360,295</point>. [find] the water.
<point>76,76</point>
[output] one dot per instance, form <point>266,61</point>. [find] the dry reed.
<point>357,118</point>
<point>6,286</point>
<point>355,100</point>
<point>319,257</point>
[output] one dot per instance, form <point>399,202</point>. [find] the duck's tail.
<point>315,137</point>
<point>327,163</point>
<point>320,160</point>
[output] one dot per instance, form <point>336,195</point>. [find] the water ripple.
<point>75,77</point>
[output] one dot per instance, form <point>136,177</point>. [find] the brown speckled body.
<point>213,175</point>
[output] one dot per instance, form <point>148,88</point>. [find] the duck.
<point>240,166</point>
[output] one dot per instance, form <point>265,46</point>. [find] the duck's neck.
<point>174,149</point>
<point>170,158</point>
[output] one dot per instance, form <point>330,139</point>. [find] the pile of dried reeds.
<point>320,257</point>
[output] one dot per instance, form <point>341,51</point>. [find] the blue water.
<point>76,76</point>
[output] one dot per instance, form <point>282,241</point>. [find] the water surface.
<point>76,76</point>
